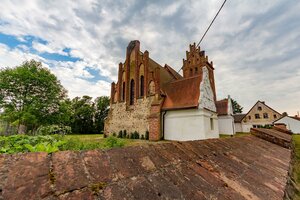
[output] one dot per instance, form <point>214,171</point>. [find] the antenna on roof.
<point>208,27</point>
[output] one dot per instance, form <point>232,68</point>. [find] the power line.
<point>209,26</point>
<point>211,22</point>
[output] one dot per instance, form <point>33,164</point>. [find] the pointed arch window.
<point>131,92</point>
<point>123,91</point>
<point>142,86</point>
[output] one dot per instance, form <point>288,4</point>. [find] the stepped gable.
<point>232,168</point>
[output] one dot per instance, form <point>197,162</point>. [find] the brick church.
<point>154,98</point>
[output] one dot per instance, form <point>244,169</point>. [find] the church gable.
<point>206,99</point>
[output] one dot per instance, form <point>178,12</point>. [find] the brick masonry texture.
<point>233,168</point>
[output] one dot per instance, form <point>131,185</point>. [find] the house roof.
<point>238,117</point>
<point>295,117</point>
<point>222,107</point>
<point>183,93</point>
<point>292,117</point>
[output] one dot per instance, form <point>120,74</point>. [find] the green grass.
<point>53,143</point>
<point>237,134</point>
<point>296,172</point>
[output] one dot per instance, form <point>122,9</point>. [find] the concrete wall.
<point>246,127</point>
<point>192,124</point>
<point>238,127</point>
<point>134,118</point>
<point>291,124</point>
<point>226,125</point>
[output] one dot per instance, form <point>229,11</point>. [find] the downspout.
<point>163,125</point>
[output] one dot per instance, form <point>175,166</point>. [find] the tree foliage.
<point>237,108</point>
<point>30,94</point>
<point>88,116</point>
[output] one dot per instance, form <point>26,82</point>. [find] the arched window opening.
<point>196,70</point>
<point>131,92</point>
<point>151,88</point>
<point>142,86</point>
<point>123,91</point>
<point>191,72</point>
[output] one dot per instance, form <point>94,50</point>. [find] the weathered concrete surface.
<point>276,136</point>
<point>235,168</point>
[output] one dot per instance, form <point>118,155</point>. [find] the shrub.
<point>25,143</point>
<point>131,135</point>
<point>120,135</point>
<point>111,142</point>
<point>53,129</point>
<point>147,135</point>
<point>136,135</point>
<point>142,137</point>
<point>124,134</point>
<point>114,134</point>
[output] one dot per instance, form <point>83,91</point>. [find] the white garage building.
<point>292,123</point>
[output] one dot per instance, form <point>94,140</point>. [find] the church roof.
<point>183,93</point>
<point>222,107</point>
<point>173,72</point>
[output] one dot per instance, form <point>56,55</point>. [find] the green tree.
<point>102,108</point>
<point>83,117</point>
<point>237,108</point>
<point>29,94</point>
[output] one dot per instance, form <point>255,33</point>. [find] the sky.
<point>254,45</point>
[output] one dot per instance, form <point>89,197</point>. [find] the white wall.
<point>246,127</point>
<point>190,124</point>
<point>238,127</point>
<point>291,124</point>
<point>226,125</point>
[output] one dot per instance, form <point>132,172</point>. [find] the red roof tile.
<point>222,107</point>
<point>183,93</point>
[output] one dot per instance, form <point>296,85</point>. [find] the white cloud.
<point>254,45</point>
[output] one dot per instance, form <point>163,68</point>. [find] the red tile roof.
<point>222,107</point>
<point>183,93</point>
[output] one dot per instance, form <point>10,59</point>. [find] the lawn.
<point>99,139</point>
<point>53,143</point>
<point>237,134</point>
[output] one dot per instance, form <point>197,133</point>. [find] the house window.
<point>211,124</point>
<point>142,86</point>
<point>275,116</point>
<point>196,70</point>
<point>191,72</point>
<point>123,91</point>
<point>259,108</point>
<point>257,116</point>
<point>249,117</point>
<point>266,116</point>
<point>131,92</point>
